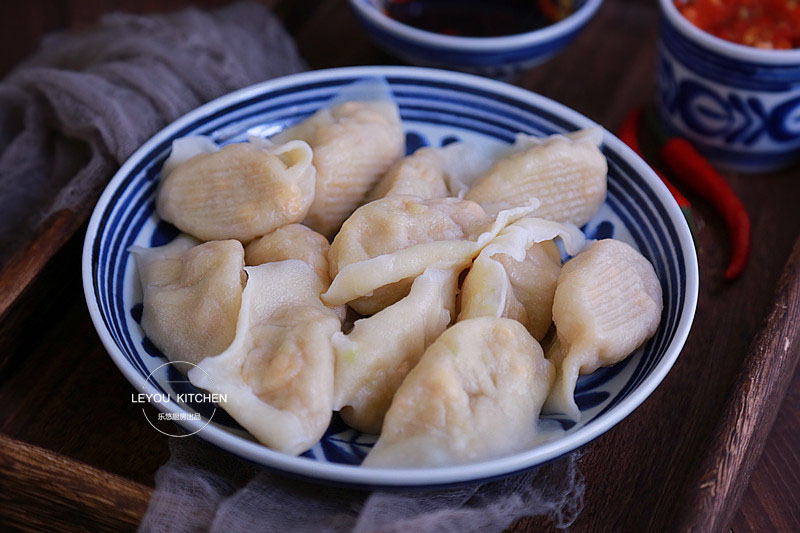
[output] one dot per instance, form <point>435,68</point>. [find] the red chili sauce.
<point>771,24</point>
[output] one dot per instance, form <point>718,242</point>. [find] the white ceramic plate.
<point>437,107</point>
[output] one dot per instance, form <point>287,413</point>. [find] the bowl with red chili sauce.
<point>729,79</point>
<point>495,38</point>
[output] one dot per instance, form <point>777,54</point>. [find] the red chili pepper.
<point>696,173</point>
<point>629,134</point>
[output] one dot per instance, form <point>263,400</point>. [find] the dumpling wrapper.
<point>533,283</point>
<point>507,280</point>
<point>374,358</point>
<point>608,302</point>
<point>242,191</point>
<point>294,241</point>
<point>395,223</point>
<point>524,141</point>
<point>184,149</point>
<point>355,140</point>
<point>475,394</point>
<point>567,173</point>
<point>364,277</point>
<point>278,373</point>
<point>191,296</point>
<point>434,172</point>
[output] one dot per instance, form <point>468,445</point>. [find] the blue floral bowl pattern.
<point>496,57</point>
<point>739,105</point>
<point>437,108</point>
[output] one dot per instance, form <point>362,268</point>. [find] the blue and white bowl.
<point>739,105</point>
<point>437,107</point>
<point>496,57</point>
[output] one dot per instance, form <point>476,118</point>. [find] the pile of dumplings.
<point>422,297</point>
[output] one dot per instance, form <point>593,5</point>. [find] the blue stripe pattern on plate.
<point>437,113</point>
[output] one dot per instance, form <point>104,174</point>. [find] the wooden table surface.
<point>60,391</point>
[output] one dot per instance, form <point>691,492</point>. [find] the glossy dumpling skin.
<point>354,143</point>
<point>374,358</point>
<point>365,278</point>
<point>396,223</point>
<point>419,174</point>
<point>567,173</point>
<point>434,172</point>
<point>608,302</point>
<point>278,373</point>
<point>533,282</point>
<point>242,191</point>
<point>515,274</point>
<point>191,296</point>
<point>475,394</point>
<point>185,148</point>
<point>293,241</point>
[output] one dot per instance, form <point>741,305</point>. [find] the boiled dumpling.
<point>374,358</point>
<point>354,143</point>
<point>396,223</point>
<point>419,174</point>
<point>475,394</point>
<point>607,304</point>
<point>533,283</point>
<point>515,274</point>
<point>567,173</point>
<point>293,241</point>
<point>433,172</point>
<point>278,373</point>
<point>191,296</point>
<point>242,191</point>
<point>365,277</point>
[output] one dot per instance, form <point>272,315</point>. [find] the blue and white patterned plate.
<point>437,107</point>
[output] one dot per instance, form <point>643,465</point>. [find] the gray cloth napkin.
<point>72,113</point>
<point>204,489</point>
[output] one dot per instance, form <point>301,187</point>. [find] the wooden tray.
<point>77,453</point>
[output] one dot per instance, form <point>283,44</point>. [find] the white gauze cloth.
<point>202,488</point>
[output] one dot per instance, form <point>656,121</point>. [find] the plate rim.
<point>413,477</point>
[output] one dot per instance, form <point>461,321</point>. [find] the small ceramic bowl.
<point>739,105</point>
<point>497,57</point>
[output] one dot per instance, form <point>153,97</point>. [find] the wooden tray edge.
<point>718,484</point>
